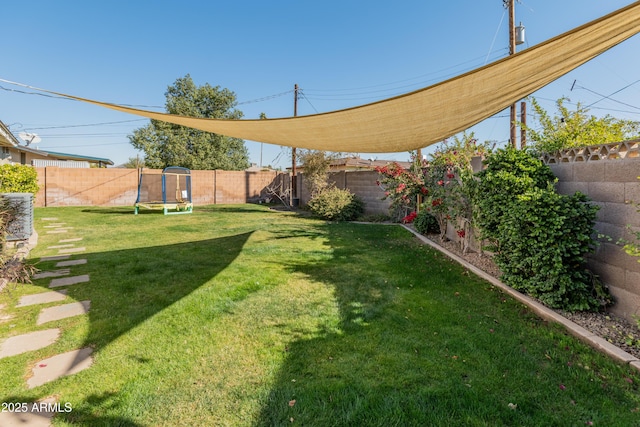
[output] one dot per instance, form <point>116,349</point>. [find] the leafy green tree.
<point>316,169</point>
<point>134,163</point>
<point>569,129</point>
<point>166,144</point>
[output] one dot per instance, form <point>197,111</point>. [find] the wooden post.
<point>523,121</point>
<point>512,50</point>
<point>294,189</point>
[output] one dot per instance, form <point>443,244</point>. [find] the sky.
<point>341,54</point>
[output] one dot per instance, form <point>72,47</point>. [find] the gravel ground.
<point>616,330</point>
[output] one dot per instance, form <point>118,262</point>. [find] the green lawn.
<point>242,316</point>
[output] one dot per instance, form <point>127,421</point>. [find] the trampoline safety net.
<point>169,190</point>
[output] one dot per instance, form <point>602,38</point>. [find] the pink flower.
<point>441,182</point>
<point>562,387</point>
<point>409,218</point>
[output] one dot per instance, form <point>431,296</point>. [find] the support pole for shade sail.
<point>512,50</point>
<point>294,189</point>
<point>523,125</point>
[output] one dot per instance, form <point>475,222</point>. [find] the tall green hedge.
<point>540,237</point>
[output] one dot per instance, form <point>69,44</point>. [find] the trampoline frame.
<point>184,206</point>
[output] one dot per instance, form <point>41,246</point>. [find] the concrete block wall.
<point>613,185</point>
<point>86,187</point>
<point>119,187</point>
<point>361,183</point>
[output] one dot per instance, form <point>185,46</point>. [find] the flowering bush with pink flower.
<point>401,186</point>
<point>440,184</point>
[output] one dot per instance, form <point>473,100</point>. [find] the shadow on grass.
<point>366,373</point>
<point>152,279</point>
<point>418,345</point>
<point>107,211</point>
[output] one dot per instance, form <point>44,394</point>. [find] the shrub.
<point>335,204</point>
<point>18,179</point>
<point>543,239</point>
<point>540,237</point>
<point>508,173</point>
<point>426,223</point>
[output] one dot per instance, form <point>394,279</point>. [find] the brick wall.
<point>361,183</point>
<point>86,187</point>
<point>119,187</point>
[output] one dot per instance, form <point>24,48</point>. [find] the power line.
<point>307,99</point>
<point>84,125</point>
<point>609,96</point>
<point>265,98</point>
<point>363,89</point>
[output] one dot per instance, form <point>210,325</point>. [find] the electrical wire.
<point>84,125</point>
<point>504,12</point>
<point>301,94</point>
<point>364,89</point>
<point>266,98</point>
<point>609,96</point>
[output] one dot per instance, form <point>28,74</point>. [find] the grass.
<point>240,316</point>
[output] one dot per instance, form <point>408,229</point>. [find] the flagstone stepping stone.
<point>54,225</point>
<point>68,245</point>
<point>55,273</point>
<point>42,298</point>
<point>71,250</point>
<point>39,414</point>
<point>28,342</point>
<point>58,231</point>
<point>61,365</point>
<point>75,239</point>
<point>49,219</point>
<point>65,281</point>
<point>71,262</point>
<point>55,257</point>
<point>58,312</point>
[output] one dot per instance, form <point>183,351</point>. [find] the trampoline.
<point>169,191</point>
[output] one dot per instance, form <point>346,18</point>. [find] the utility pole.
<point>523,120</point>
<point>294,189</point>
<point>512,50</point>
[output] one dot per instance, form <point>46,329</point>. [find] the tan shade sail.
<point>427,116</point>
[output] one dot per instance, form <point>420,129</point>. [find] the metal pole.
<point>512,50</point>
<point>294,189</point>
<point>523,126</point>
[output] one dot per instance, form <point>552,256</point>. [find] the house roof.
<point>7,139</point>
<point>66,156</point>
<point>355,163</point>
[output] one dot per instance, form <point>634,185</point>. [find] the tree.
<point>166,144</point>
<point>316,169</point>
<point>576,128</point>
<point>134,163</point>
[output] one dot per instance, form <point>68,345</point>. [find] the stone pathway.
<point>57,366</point>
